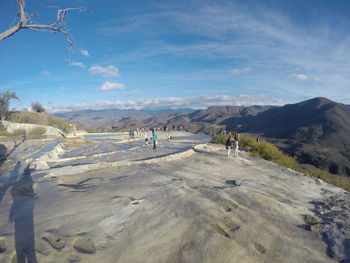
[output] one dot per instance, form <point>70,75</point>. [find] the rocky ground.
<point>334,225</point>
<point>115,199</point>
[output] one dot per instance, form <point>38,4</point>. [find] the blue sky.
<point>141,54</point>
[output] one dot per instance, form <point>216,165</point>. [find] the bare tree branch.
<point>25,22</point>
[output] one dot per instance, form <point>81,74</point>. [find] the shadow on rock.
<point>21,213</point>
<point>3,154</point>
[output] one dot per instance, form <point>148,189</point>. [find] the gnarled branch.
<point>25,22</point>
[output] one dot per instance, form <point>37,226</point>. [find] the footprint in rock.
<point>41,248</point>
<point>229,205</point>
<point>74,258</point>
<point>226,208</point>
<point>55,241</point>
<point>84,245</point>
<point>232,182</point>
<point>135,201</point>
<point>232,225</point>
<point>218,229</point>
<point>260,248</point>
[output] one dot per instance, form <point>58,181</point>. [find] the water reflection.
<point>20,184</point>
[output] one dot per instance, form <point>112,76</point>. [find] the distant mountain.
<point>105,119</point>
<point>204,121</point>
<point>315,131</point>
<point>217,114</point>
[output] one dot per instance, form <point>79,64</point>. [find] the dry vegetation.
<point>36,133</point>
<point>40,119</point>
<point>271,153</point>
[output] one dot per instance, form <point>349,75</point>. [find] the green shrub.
<point>270,152</point>
<point>246,141</point>
<point>61,124</point>
<point>21,119</point>
<point>57,123</point>
<point>267,151</point>
<point>37,133</point>
<point>219,138</point>
<point>18,118</point>
<point>91,130</point>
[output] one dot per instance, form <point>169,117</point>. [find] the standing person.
<point>146,138</point>
<point>154,139</point>
<point>228,145</point>
<point>236,147</point>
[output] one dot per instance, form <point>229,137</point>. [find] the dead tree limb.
<point>25,22</point>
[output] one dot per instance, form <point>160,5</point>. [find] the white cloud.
<point>236,71</point>
<point>85,53</point>
<point>272,41</point>
<point>300,77</point>
<point>111,86</point>
<point>78,64</point>
<point>109,71</point>
<point>69,107</point>
<point>175,102</point>
<point>133,92</point>
<point>45,73</point>
<point>194,102</point>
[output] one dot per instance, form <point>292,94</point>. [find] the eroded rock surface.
<point>177,203</point>
<point>335,225</point>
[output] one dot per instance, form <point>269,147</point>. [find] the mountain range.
<point>105,119</point>
<point>315,131</point>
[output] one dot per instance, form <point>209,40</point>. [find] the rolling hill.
<point>315,131</point>
<point>41,119</point>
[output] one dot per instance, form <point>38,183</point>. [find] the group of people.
<point>232,142</point>
<point>154,137</point>
<point>140,131</point>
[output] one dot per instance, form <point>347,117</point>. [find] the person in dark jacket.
<point>229,144</point>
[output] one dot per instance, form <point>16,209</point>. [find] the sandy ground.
<point>173,204</point>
